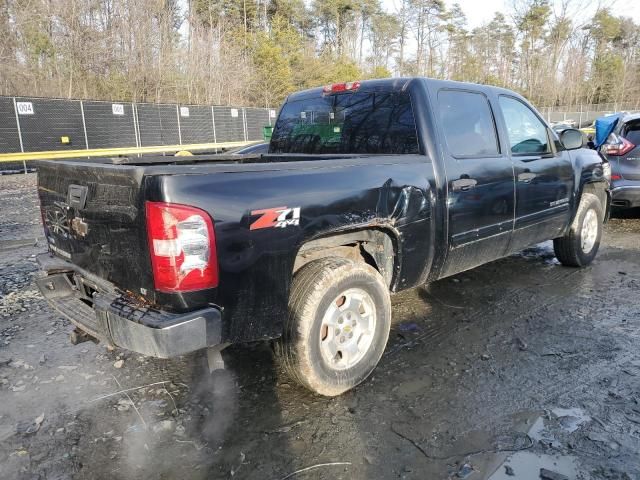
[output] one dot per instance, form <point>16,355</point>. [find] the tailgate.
<point>93,216</point>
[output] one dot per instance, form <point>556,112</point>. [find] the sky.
<point>480,12</point>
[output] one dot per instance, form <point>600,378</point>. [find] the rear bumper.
<point>117,320</point>
<point>626,194</point>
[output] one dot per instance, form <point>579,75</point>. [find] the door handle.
<point>463,184</point>
<point>526,177</point>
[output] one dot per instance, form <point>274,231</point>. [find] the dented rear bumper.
<point>98,308</point>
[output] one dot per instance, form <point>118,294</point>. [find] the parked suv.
<point>622,149</point>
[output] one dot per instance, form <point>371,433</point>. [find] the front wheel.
<point>580,244</point>
<point>337,327</point>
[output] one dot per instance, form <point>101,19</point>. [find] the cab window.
<point>527,134</point>
<point>348,123</point>
<point>467,123</point>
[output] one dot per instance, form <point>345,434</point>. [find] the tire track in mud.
<point>514,304</point>
<point>513,298</point>
<point>541,386</point>
<point>498,417</point>
<point>490,410</point>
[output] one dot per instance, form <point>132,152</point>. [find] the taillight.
<point>182,245</point>
<point>341,87</point>
<point>621,147</point>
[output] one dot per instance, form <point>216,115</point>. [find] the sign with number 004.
<point>24,108</point>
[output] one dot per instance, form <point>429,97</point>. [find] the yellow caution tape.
<point>114,152</point>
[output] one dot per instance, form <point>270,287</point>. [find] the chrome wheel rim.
<point>347,329</point>
<point>589,231</point>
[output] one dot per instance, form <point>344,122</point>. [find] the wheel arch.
<point>376,246</point>
<point>600,190</point>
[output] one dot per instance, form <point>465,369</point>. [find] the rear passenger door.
<point>543,173</point>
<point>480,181</point>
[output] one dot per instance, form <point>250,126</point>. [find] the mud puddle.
<point>528,466</point>
<point>549,431</point>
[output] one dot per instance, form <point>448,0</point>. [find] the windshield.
<point>363,122</point>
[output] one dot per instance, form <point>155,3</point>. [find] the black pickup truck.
<point>368,188</point>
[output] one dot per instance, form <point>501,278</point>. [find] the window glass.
<point>467,123</point>
<point>632,132</point>
<point>361,122</point>
<point>527,134</point>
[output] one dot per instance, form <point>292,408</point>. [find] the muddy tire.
<point>337,327</point>
<point>580,244</point>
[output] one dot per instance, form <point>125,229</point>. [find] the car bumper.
<point>625,194</point>
<point>118,320</point>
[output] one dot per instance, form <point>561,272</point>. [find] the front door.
<point>543,172</point>
<point>480,182</point>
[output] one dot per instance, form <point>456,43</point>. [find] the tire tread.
<point>567,248</point>
<point>307,289</point>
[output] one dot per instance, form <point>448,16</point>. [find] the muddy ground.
<point>515,366</point>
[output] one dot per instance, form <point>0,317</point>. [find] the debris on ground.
<point>550,475</point>
<point>28,428</point>
<point>408,327</point>
<point>465,470</point>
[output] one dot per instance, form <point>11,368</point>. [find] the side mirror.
<point>572,138</point>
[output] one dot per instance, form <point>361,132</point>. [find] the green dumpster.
<point>267,130</point>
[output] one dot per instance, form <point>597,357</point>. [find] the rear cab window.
<point>347,123</point>
<point>468,124</point>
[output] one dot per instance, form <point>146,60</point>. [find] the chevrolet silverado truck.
<point>369,188</point>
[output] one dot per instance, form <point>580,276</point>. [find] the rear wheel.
<point>338,325</point>
<point>580,244</point>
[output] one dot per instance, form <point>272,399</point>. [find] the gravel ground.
<point>502,371</point>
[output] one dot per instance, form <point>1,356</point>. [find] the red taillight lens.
<point>182,245</point>
<point>622,147</point>
<point>341,87</point>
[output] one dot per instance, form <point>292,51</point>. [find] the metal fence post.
<point>213,123</point>
<point>244,123</point>
<point>136,126</point>
<point>179,131</point>
<point>84,126</point>
<point>15,110</point>
<point>580,120</point>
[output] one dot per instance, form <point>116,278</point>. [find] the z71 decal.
<point>278,217</point>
